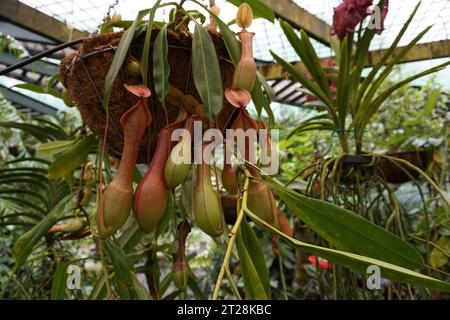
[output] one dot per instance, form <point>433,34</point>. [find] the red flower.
<point>323,264</point>
<point>348,15</point>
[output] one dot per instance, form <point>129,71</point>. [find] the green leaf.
<point>146,48</point>
<point>342,92</point>
<point>363,118</point>
<point>258,7</point>
<point>54,147</point>
<point>119,260</point>
<point>357,262</point>
<point>59,282</point>
<point>206,71</point>
<point>71,159</point>
<point>308,84</point>
<point>350,232</point>
<point>431,103</point>
<point>161,68</point>
<point>39,132</point>
<point>438,259</point>
<point>311,60</point>
<point>38,89</point>
<point>375,85</point>
<point>261,101</point>
<point>253,265</point>
<point>120,55</point>
<point>25,244</point>
<point>267,88</point>
<point>140,291</point>
<point>229,37</point>
<point>128,240</point>
<point>369,79</point>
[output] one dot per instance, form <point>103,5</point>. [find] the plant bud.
<point>178,164</point>
<point>229,179</point>
<point>67,98</point>
<point>215,10</point>
<point>260,199</point>
<point>180,268</point>
<point>116,17</point>
<point>87,195</point>
<point>244,16</point>
<point>245,73</point>
<point>133,67</point>
<point>151,195</point>
<point>180,274</point>
<point>75,226</point>
<point>206,203</point>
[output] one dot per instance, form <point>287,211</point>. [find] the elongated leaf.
<point>25,244</point>
<point>350,232</point>
<point>127,241</point>
<point>38,89</point>
<point>71,159</point>
<point>375,85</point>
<point>54,147</point>
<point>363,118</point>
<point>120,55</point>
<point>206,71</point>
<point>357,262</point>
<point>258,7</point>
<point>368,80</point>
<point>267,87</point>
<point>59,282</point>
<point>119,260</point>
<point>139,290</point>
<point>38,132</point>
<point>146,48</point>
<point>297,76</point>
<point>342,83</point>
<point>231,42</point>
<point>261,101</point>
<point>253,265</point>
<point>161,68</point>
<point>311,60</point>
<point>439,257</point>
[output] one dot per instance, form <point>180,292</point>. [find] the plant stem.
<point>226,261</point>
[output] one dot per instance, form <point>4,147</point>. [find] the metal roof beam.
<point>36,21</point>
<point>300,18</point>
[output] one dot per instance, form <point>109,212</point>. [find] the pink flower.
<point>330,62</point>
<point>348,15</point>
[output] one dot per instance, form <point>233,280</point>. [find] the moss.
<point>81,83</point>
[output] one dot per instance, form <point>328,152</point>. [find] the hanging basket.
<point>84,75</point>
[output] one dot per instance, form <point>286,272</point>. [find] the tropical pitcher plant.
<point>134,212</point>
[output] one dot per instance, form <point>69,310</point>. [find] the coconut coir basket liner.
<point>84,75</point>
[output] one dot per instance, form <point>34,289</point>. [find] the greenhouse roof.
<point>63,20</point>
<point>87,15</point>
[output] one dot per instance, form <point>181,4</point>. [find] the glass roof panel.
<point>86,15</point>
